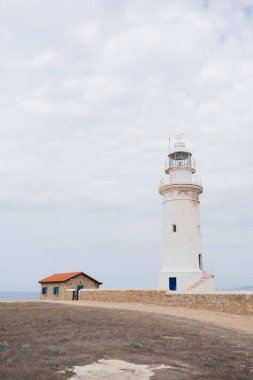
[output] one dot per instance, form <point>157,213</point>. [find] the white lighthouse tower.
<point>182,263</point>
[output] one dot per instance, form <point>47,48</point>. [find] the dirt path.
<point>237,322</point>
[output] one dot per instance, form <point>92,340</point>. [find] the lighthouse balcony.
<point>174,181</point>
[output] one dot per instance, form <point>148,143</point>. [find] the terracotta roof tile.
<point>61,277</point>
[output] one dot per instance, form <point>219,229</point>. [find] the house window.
<point>174,227</point>
<point>44,290</point>
<point>56,290</point>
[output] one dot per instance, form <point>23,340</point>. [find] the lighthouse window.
<point>174,227</point>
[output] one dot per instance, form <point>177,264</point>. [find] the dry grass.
<point>37,340</point>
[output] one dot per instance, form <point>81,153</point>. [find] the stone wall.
<point>235,303</point>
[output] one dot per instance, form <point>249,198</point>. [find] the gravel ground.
<point>46,340</point>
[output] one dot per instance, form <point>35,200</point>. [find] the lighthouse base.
<point>185,281</point>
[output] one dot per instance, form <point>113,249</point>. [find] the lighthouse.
<point>182,262</point>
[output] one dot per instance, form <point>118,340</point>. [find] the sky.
<point>89,93</point>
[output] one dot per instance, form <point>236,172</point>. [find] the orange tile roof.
<point>61,277</point>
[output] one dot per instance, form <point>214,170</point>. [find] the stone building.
<point>65,286</point>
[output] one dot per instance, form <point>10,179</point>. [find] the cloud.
<point>86,33</point>
<point>89,94</point>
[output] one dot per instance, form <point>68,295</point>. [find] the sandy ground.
<point>115,370</point>
<point>237,322</point>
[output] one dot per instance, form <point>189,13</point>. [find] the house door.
<point>74,295</point>
<point>173,283</point>
<point>78,288</point>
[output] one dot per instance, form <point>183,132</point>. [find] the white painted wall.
<point>180,175</point>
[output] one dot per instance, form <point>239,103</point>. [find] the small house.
<point>66,286</point>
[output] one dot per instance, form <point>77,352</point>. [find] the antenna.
<point>179,137</point>
<point>179,143</point>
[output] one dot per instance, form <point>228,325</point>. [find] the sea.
<point>19,296</point>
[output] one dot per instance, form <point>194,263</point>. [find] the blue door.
<point>172,283</point>
<point>78,288</point>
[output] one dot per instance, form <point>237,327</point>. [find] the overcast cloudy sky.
<point>89,91</point>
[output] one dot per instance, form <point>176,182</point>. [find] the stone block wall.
<point>235,303</point>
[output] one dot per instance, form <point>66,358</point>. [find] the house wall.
<point>63,286</point>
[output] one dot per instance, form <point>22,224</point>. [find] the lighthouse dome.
<point>180,157</point>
